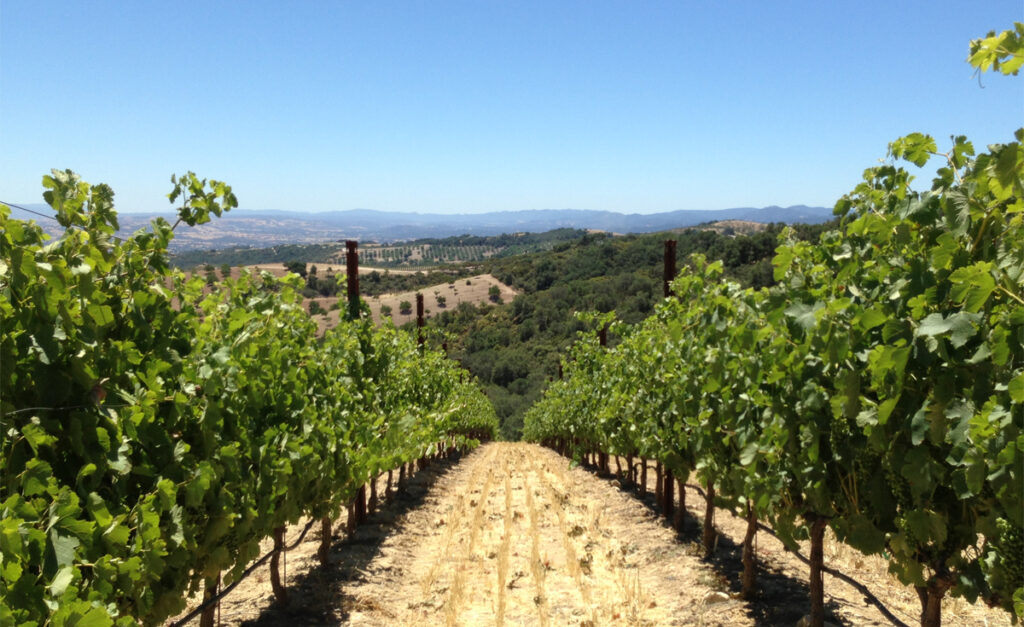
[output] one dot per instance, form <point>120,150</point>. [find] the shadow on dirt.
<point>318,597</point>
<point>781,599</point>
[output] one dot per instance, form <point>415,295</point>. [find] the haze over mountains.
<point>271,227</point>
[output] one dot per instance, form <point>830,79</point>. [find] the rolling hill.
<point>272,227</point>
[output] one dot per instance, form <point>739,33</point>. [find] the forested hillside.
<point>426,252</point>
<point>513,348</point>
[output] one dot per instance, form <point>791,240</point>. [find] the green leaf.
<point>117,533</point>
<point>123,463</point>
<point>83,615</point>
<point>973,285</point>
<point>923,472</point>
<point>222,356</point>
<point>944,250</point>
<point>976,477</point>
<point>748,454</point>
<point>927,526</point>
<point>101,315</point>
<point>37,437</point>
<point>85,471</point>
<point>916,148</point>
<point>82,529</point>
<point>1003,52</point>
<point>97,507</point>
<point>892,330</point>
<point>920,425</point>
<point>10,536</point>
<point>11,573</point>
<point>868,417</point>
<point>888,360</point>
<point>805,315</point>
<point>1016,388</point>
<point>934,324</point>
<point>782,261</point>
<point>63,547</point>
<point>960,327</point>
<point>36,477</point>
<point>872,318</point>
<point>959,484</point>
<point>863,535</point>
<point>963,328</point>
<point>61,581</point>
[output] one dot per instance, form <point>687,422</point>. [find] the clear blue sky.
<point>486,106</point>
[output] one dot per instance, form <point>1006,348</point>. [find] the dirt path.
<point>514,537</point>
<point>511,535</point>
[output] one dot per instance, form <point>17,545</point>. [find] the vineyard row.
<point>153,435</point>
<point>877,388</point>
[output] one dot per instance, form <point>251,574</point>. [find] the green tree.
<point>311,278</point>
<point>296,267</point>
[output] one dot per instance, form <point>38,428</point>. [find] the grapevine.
<point>153,433</point>
<point>878,388</point>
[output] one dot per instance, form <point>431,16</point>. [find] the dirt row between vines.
<point>511,535</point>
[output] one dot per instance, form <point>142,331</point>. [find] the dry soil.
<point>511,534</point>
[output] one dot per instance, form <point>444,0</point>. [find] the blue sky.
<point>487,106</point>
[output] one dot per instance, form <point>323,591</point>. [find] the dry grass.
<point>455,293</point>
<point>538,566</point>
<point>503,552</point>
<point>457,592</point>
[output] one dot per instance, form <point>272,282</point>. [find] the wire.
<point>223,593</point>
<point>301,536</point>
<point>248,571</point>
<point>54,218</point>
<point>27,210</point>
<point>868,596</point>
<point>62,408</point>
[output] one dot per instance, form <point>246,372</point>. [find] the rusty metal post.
<point>602,456</point>
<point>670,265</point>
<point>352,268</point>
<point>419,318</point>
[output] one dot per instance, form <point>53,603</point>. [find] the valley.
<point>513,345</point>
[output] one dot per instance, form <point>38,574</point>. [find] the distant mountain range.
<point>243,227</point>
